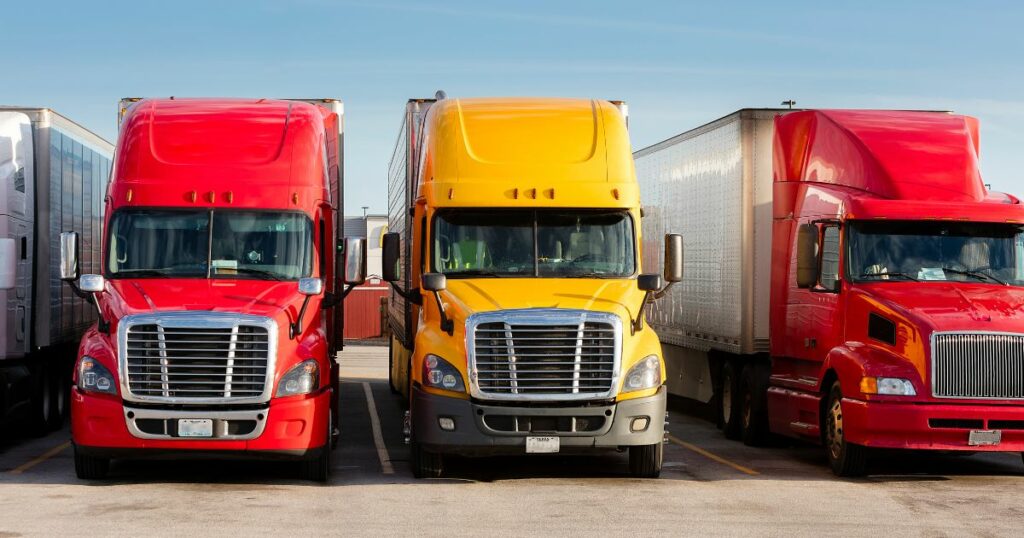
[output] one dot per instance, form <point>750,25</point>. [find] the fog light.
<point>639,424</point>
<point>446,423</point>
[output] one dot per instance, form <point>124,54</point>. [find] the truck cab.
<point>517,315</point>
<point>218,287</point>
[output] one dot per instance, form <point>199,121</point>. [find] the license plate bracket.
<point>543,445</point>
<point>985,437</point>
<point>195,427</point>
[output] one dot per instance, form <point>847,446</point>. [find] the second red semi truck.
<point>850,281</point>
<point>217,288</point>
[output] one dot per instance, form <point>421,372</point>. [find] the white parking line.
<point>378,439</point>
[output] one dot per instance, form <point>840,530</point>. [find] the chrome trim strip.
<point>931,363</point>
<point>194,320</point>
<point>218,417</point>
<point>543,317</point>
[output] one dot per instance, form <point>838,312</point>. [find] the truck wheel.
<point>318,468</point>
<point>753,407</point>
<point>645,460</point>
<point>57,411</point>
<point>425,464</point>
<point>846,459</point>
<point>41,404</point>
<point>729,403</point>
<point>90,468</point>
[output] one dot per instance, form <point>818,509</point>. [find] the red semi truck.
<point>850,281</point>
<point>217,290</point>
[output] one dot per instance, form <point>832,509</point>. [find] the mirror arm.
<point>295,329</point>
<point>101,323</point>
<point>78,291</point>
<point>413,296</point>
<point>447,325</point>
<point>663,291</point>
<point>638,323</point>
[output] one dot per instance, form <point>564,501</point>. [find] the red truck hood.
<point>278,300</point>
<point>946,306</point>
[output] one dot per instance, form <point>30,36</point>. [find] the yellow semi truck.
<point>517,312</point>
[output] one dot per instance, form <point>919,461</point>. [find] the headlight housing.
<point>303,378</point>
<point>644,375</point>
<point>887,386</point>
<point>440,374</point>
<point>94,377</point>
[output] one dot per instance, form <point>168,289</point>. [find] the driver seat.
<point>974,255</point>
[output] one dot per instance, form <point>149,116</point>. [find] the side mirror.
<point>391,246</point>
<point>434,281</point>
<point>355,260</point>
<point>650,282</point>
<point>307,286</point>
<point>92,283</point>
<point>673,258</point>
<point>8,264</point>
<point>69,256</point>
<point>807,256</point>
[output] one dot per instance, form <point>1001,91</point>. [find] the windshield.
<point>553,244</point>
<point>215,244</point>
<point>952,251</point>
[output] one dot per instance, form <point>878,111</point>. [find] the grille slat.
<point>978,365</point>
<point>224,363</point>
<point>576,358</point>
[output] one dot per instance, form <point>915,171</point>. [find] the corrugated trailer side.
<point>713,184</point>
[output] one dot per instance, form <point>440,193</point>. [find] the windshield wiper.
<point>251,271</point>
<point>976,274</point>
<point>887,273</point>
<point>143,272</point>
<point>474,272</point>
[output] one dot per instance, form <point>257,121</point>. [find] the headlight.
<point>888,386</point>
<point>303,378</point>
<point>94,377</point>
<point>440,374</point>
<point>645,374</point>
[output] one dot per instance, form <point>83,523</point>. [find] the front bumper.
<point>482,429</point>
<point>287,427</point>
<point>931,426</point>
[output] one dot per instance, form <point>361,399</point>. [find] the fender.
<point>853,361</point>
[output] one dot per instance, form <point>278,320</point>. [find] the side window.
<point>324,249</point>
<point>423,246</point>
<point>829,278</point>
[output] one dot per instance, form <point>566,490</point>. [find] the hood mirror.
<point>436,283</point>
<point>92,283</point>
<point>311,286</point>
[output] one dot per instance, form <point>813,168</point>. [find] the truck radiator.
<point>184,364</point>
<point>978,365</point>
<point>523,359</point>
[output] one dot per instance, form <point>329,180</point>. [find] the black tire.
<point>645,460</point>
<point>391,365</point>
<point>59,394</point>
<point>845,458</point>
<point>318,468</point>
<point>89,467</point>
<point>40,404</point>
<point>754,406</point>
<point>425,464</point>
<point>729,403</point>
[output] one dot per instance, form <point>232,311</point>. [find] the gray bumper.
<point>482,429</point>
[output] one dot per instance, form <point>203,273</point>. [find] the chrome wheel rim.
<point>727,398</point>
<point>835,429</point>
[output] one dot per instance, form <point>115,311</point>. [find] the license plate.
<point>542,445</point>
<point>985,437</point>
<point>195,427</point>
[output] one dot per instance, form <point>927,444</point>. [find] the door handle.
<point>810,343</point>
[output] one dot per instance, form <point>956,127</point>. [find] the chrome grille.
<point>530,354</point>
<point>198,358</point>
<point>978,365</point>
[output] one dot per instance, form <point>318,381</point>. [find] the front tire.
<point>845,458</point>
<point>645,460</point>
<point>89,467</point>
<point>57,412</point>
<point>318,468</point>
<point>753,409</point>
<point>729,403</point>
<point>391,365</point>
<point>425,464</point>
<point>41,404</point>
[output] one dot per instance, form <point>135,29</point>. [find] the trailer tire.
<point>845,458</point>
<point>59,392</point>
<point>391,364</point>
<point>729,403</point>
<point>90,467</point>
<point>41,403</point>
<point>645,460</point>
<point>754,407</point>
<point>425,464</point>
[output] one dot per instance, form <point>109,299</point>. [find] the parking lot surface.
<point>709,486</point>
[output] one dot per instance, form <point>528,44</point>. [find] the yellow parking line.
<point>710,456</point>
<point>47,455</point>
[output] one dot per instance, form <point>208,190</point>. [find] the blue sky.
<point>678,64</point>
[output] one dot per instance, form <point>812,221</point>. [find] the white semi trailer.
<point>53,177</point>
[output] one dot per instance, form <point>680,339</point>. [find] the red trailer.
<point>850,281</point>
<point>218,285</point>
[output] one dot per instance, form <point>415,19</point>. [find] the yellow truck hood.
<point>469,296</point>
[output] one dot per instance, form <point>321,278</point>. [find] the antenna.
<point>789,103</point>
<point>365,207</point>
